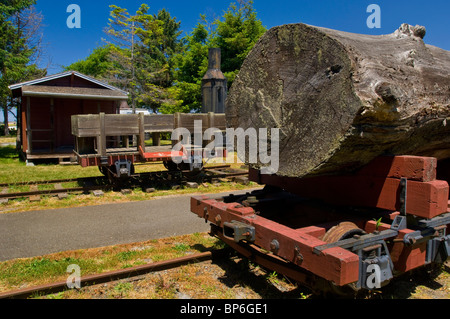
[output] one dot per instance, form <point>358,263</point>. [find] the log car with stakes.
<point>361,194</point>
<point>106,141</point>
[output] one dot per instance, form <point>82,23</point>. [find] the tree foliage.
<point>146,56</point>
<point>235,34</point>
<point>96,64</point>
<point>18,48</point>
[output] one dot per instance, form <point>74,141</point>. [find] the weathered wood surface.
<point>375,185</point>
<point>128,124</point>
<point>342,99</point>
<point>92,131</point>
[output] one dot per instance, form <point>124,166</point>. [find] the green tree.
<point>156,50</point>
<point>236,35</point>
<point>96,64</point>
<point>191,65</point>
<point>165,46</point>
<point>144,46</point>
<point>16,49</point>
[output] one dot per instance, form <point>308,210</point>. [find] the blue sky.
<point>66,45</point>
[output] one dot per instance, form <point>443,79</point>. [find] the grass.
<point>9,140</point>
<point>28,272</point>
<point>15,171</point>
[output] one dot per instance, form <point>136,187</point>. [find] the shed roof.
<point>40,82</point>
<point>72,92</point>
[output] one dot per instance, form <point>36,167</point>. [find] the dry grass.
<point>26,272</point>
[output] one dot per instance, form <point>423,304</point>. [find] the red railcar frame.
<point>402,189</point>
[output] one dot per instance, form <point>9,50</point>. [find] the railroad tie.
<point>34,198</point>
<point>4,200</point>
<point>61,195</point>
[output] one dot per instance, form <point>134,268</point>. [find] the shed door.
<point>64,109</point>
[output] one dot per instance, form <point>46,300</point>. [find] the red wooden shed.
<point>47,104</point>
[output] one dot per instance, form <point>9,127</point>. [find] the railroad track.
<point>114,275</point>
<point>37,189</point>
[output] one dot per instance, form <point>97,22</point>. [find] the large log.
<point>341,99</point>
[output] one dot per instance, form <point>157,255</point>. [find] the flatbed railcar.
<point>339,234</point>
<point>103,140</point>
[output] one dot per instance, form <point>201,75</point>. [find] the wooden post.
<point>52,125</point>
<point>210,124</point>
<point>176,124</point>
<point>101,139</point>
<point>156,137</point>
<point>29,132</point>
<point>141,141</point>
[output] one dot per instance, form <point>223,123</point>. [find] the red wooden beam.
<point>160,156</point>
<point>377,185</point>
<point>417,168</point>
<point>334,264</point>
<point>404,258</point>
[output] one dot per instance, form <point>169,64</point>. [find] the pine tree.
<point>16,49</point>
<point>236,35</point>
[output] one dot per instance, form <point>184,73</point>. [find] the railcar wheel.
<point>171,166</point>
<point>342,231</point>
<point>336,233</point>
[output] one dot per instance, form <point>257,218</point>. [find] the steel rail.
<point>112,275</point>
<point>52,191</point>
<point>55,181</point>
<point>14,195</point>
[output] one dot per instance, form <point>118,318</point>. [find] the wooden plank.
<point>86,125</point>
<point>424,199</point>
<point>23,133</point>
<point>416,168</point>
<point>121,124</point>
<point>128,124</point>
<point>159,123</point>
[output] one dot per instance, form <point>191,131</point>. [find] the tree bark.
<point>341,99</point>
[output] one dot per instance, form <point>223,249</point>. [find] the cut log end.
<point>342,99</point>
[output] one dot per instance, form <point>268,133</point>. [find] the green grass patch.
<point>40,268</point>
<point>16,171</point>
<point>51,268</point>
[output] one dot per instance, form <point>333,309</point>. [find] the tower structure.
<point>214,85</point>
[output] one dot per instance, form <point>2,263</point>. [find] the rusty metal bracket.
<point>359,242</point>
<point>403,191</point>
<point>239,231</point>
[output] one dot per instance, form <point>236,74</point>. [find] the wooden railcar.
<point>340,233</point>
<point>103,140</point>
